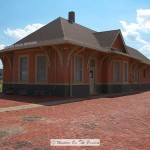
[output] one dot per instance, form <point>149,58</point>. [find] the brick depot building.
<point>66,59</point>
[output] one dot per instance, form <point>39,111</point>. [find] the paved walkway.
<point>50,103</point>
<point>121,122</point>
<point>40,104</point>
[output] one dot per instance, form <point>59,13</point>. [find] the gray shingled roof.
<point>135,53</point>
<point>79,34</point>
<point>61,29</point>
<point>106,38</point>
<point>51,31</point>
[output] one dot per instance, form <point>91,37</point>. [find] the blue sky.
<point>18,18</point>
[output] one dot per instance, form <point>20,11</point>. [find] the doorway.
<point>92,76</point>
<point>92,81</point>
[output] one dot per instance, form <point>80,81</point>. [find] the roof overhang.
<point>60,41</point>
<point>126,55</point>
<point>52,42</point>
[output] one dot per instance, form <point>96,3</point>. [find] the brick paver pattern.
<point>121,123</point>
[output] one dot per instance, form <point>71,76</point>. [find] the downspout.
<point>131,80</point>
<point>139,79</point>
<point>55,69</point>
<point>71,77</point>
<point>55,78</point>
<point>13,72</point>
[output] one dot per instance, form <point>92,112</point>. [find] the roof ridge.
<point>57,19</point>
<point>62,26</point>
<point>63,30</point>
<point>109,31</point>
<point>78,24</point>
<point>106,38</point>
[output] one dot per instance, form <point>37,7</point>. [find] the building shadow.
<point>49,101</point>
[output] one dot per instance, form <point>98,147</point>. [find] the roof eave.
<point>116,52</point>
<point>44,43</point>
<point>53,42</point>
<point>124,54</point>
<point>87,46</point>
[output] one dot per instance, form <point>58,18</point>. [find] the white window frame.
<point>75,81</point>
<point>119,72</point>
<point>20,57</point>
<point>92,59</point>
<point>135,74</point>
<point>36,72</point>
<point>126,72</point>
<point>144,72</point>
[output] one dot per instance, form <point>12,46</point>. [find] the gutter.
<point>127,55</point>
<point>62,41</point>
<point>52,42</point>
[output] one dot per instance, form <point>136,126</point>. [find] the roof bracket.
<point>102,60</point>
<point>80,50</point>
<point>70,53</point>
<point>89,57</point>
<point>60,54</point>
<point>111,61</point>
<point>132,64</point>
<point>9,58</point>
<point>47,51</point>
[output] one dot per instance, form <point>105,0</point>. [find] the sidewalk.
<point>40,104</point>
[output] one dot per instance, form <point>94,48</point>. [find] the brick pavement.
<point>121,123</point>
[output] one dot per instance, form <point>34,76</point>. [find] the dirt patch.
<point>89,126</point>
<point>32,118</point>
<point>7,132</point>
<point>23,144</point>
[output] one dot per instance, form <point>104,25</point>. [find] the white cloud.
<point>146,48</point>
<point>143,19</point>
<point>132,32</point>
<point>21,33</point>
<point>2,46</point>
<point>129,27</point>
<point>131,35</point>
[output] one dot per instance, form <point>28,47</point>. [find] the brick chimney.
<point>71,17</point>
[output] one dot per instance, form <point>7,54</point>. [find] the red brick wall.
<point>8,72</point>
<point>61,74</point>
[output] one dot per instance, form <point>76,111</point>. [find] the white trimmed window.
<point>41,68</point>
<point>24,69</point>
<point>92,63</point>
<point>116,72</point>
<point>125,72</point>
<point>78,69</point>
<point>144,73</point>
<point>135,74</point>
